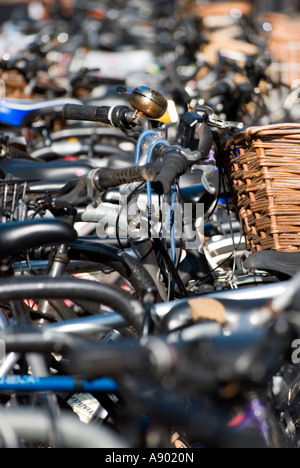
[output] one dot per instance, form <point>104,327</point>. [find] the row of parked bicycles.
<point>149,236</point>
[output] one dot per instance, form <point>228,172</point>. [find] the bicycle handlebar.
<point>205,363</point>
<point>103,179</point>
<point>77,192</point>
<point>116,116</point>
<point>174,164</point>
<point>89,113</point>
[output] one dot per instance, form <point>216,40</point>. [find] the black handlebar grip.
<point>206,141</point>
<point>93,361</point>
<point>263,62</point>
<point>223,87</point>
<point>103,179</point>
<point>86,113</point>
<point>174,165</point>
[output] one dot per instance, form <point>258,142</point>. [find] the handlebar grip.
<point>263,62</point>
<point>206,141</point>
<point>86,113</point>
<point>103,179</point>
<point>223,87</point>
<point>108,360</point>
<point>174,165</point>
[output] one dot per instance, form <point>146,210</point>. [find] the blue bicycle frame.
<point>28,383</point>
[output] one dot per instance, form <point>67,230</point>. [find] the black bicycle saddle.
<point>53,170</point>
<point>17,237</point>
<point>283,265</point>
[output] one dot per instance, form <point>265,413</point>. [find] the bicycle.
<point>185,327</point>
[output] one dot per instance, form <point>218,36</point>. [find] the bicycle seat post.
<point>57,268</point>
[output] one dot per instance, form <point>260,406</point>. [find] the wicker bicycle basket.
<point>263,168</point>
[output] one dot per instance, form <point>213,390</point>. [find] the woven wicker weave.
<point>263,167</point>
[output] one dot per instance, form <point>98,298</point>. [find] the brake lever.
<point>224,124</point>
<point>212,119</point>
<point>74,193</point>
<point>208,187</point>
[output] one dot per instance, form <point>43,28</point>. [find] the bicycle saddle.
<point>193,195</point>
<point>16,237</point>
<point>283,265</point>
<point>17,112</point>
<point>53,170</point>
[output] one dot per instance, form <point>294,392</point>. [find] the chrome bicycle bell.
<point>148,101</point>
